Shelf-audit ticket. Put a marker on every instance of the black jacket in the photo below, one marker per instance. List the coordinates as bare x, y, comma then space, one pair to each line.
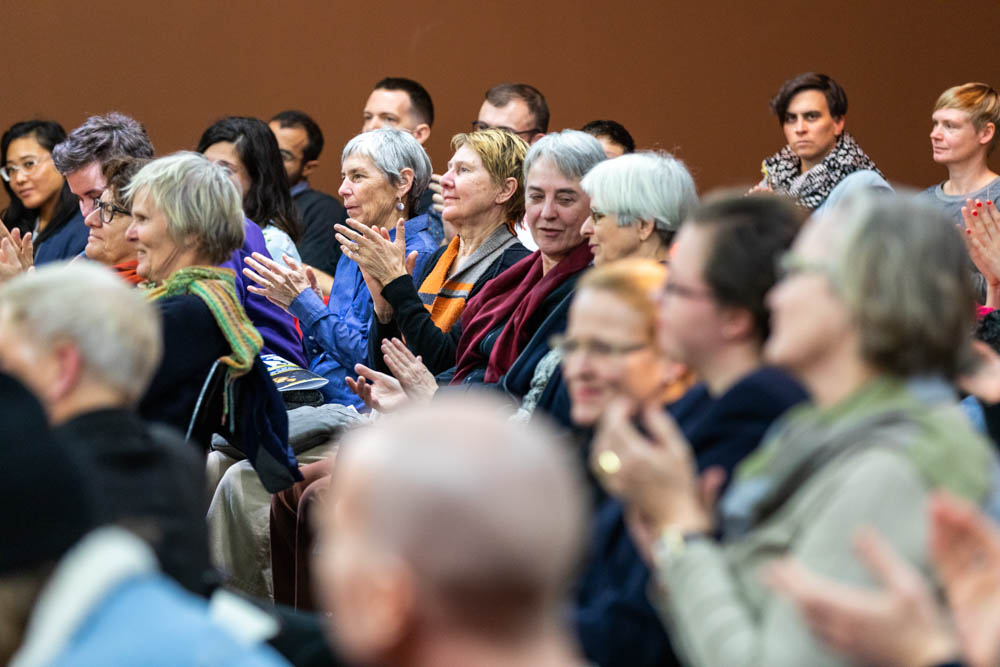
318, 213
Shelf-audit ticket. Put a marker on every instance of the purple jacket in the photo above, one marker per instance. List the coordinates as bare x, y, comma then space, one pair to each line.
276, 327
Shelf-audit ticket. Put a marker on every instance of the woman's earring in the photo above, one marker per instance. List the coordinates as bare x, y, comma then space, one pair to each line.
399, 204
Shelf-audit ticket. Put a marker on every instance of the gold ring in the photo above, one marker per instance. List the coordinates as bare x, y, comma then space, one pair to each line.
609, 463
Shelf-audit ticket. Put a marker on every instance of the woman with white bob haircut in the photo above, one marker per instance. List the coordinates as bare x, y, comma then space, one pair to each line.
637, 203
187, 216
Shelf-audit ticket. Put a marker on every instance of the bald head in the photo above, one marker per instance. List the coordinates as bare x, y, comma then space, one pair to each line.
479, 518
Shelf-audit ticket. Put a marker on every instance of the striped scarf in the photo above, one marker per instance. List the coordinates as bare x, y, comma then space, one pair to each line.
216, 287
443, 296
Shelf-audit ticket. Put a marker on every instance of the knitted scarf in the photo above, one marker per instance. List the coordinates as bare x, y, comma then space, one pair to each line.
783, 171
216, 287
511, 300
444, 296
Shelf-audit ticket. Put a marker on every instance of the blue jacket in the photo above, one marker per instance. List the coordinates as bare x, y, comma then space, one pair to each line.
65, 243
336, 334
614, 621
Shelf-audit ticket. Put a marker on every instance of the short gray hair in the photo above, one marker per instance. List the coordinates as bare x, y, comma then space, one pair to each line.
116, 330
574, 153
643, 186
903, 271
392, 151
101, 138
199, 200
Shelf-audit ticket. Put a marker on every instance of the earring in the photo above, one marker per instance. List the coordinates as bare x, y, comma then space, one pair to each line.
399, 204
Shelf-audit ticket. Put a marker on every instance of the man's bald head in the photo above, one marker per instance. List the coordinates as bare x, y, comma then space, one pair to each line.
476, 521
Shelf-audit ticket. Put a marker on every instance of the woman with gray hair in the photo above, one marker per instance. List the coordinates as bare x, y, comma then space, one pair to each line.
873, 315
187, 217
637, 203
385, 172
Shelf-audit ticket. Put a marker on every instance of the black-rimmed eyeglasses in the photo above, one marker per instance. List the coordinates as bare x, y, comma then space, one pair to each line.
479, 126
108, 210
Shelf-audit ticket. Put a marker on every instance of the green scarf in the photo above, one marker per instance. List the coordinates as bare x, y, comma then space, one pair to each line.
217, 288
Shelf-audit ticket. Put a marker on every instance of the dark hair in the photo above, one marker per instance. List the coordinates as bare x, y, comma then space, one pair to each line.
836, 98
749, 233
269, 200
314, 135
420, 99
102, 138
501, 95
118, 173
613, 130
48, 134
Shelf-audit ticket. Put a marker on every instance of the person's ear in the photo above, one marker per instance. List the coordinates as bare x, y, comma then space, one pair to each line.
646, 229
405, 182
421, 133
68, 367
838, 124
737, 323
309, 167
392, 608
507, 190
987, 133
536, 137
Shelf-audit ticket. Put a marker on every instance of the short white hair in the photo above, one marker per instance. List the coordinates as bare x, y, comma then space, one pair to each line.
199, 200
392, 151
117, 331
573, 152
643, 186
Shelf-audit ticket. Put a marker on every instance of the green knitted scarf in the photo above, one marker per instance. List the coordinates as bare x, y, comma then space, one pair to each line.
216, 287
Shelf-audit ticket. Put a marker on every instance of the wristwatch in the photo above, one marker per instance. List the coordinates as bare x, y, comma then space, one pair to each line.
672, 542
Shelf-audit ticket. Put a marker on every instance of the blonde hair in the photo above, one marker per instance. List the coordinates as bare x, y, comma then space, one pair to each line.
633, 281
502, 154
980, 101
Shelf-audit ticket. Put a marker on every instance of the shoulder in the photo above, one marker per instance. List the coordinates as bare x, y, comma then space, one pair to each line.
766, 390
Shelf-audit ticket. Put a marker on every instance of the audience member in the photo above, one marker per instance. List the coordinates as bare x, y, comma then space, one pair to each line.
441, 549
615, 139
821, 164
385, 172
74, 597
41, 203
88, 345
873, 316
246, 147
301, 141
111, 217
187, 219
637, 204
517, 108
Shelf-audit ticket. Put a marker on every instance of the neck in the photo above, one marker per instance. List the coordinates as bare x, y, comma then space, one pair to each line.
653, 248
834, 379
968, 176
47, 210
89, 397
548, 649
473, 233
728, 366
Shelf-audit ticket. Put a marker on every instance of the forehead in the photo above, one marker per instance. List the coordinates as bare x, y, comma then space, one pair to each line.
23, 146
359, 162
289, 138
466, 154
691, 248
395, 102
514, 114
223, 150
600, 314
953, 115
143, 204
808, 100
545, 175
87, 178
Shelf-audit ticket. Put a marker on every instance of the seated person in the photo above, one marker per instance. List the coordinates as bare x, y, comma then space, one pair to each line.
821, 163
385, 172
73, 595
88, 344
875, 337
41, 203
111, 217
186, 219
441, 549
484, 200
615, 139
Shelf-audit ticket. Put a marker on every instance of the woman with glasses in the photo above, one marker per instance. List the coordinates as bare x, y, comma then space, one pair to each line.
874, 316
40, 200
110, 219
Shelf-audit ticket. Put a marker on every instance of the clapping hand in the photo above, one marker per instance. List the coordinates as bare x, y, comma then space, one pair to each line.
982, 238
416, 380
280, 284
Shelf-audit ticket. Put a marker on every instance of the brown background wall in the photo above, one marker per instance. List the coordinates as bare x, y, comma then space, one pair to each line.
692, 77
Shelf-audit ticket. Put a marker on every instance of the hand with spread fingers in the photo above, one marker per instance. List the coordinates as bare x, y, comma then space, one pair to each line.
653, 474
418, 382
22, 247
982, 238
965, 550
280, 284
899, 624
379, 391
370, 247
435, 187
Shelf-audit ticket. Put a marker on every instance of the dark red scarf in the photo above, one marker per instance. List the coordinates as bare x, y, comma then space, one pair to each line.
511, 300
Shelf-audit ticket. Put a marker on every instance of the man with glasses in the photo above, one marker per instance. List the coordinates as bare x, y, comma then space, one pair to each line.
301, 141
